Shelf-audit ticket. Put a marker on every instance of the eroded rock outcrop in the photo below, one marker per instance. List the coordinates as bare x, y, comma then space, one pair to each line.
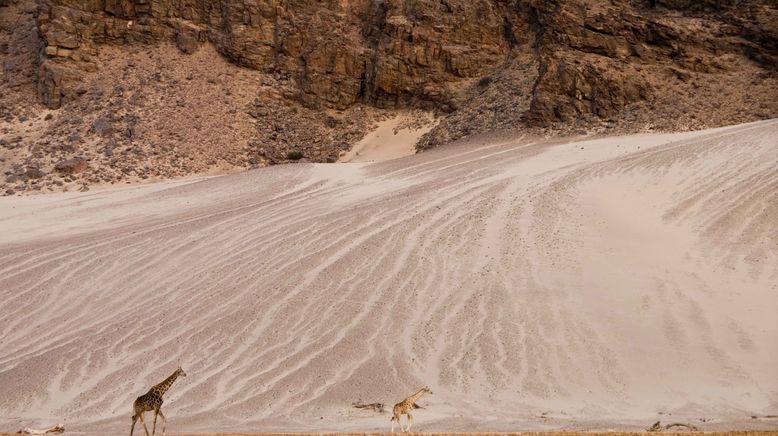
599, 57
593, 58
333, 53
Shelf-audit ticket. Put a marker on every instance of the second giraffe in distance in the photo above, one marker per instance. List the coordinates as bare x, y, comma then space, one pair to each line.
151, 401
404, 408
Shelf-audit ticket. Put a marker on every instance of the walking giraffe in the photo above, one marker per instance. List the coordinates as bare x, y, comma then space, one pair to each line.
404, 408
152, 401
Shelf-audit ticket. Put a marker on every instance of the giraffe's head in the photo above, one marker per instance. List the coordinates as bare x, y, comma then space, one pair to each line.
180, 371
427, 390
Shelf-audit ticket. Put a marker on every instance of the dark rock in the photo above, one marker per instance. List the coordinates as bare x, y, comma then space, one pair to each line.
58, 83
102, 127
71, 166
187, 42
33, 173
294, 155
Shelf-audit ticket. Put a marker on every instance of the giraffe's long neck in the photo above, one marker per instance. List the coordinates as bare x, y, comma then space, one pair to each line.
415, 397
161, 388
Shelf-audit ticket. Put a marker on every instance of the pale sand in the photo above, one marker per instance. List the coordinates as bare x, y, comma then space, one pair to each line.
391, 139
538, 433
603, 284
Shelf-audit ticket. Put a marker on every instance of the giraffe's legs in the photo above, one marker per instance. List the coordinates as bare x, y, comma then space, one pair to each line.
154, 427
397, 417
134, 420
410, 421
164, 421
143, 421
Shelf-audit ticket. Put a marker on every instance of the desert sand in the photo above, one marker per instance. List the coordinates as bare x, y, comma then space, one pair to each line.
532, 284
391, 139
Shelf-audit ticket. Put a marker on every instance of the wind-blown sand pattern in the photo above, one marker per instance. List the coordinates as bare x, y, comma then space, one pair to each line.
600, 284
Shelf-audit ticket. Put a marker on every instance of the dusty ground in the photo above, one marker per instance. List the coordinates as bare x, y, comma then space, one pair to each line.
545, 433
550, 433
602, 284
567, 433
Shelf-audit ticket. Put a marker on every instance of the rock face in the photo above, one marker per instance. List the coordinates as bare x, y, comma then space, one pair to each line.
599, 57
334, 53
592, 59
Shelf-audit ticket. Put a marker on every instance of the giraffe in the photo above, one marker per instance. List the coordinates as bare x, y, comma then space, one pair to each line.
152, 401
404, 408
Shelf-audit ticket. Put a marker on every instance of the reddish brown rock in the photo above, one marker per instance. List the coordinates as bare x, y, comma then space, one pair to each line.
71, 166
335, 53
423, 53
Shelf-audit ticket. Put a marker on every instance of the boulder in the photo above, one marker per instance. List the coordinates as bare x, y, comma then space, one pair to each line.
71, 166
102, 126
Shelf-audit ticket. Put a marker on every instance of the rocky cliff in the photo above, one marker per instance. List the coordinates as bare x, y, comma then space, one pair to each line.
394, 53
324, 53
302, 77
630, 65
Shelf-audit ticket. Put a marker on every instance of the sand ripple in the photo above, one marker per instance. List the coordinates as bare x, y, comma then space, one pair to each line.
611, 279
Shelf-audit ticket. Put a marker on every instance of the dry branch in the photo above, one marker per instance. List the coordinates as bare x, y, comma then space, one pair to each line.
375, 407
657, 427
59, 428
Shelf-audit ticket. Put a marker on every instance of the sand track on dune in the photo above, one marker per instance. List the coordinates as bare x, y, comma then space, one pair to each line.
602, 283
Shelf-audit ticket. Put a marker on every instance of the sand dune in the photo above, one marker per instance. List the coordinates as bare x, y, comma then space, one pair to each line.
600, 284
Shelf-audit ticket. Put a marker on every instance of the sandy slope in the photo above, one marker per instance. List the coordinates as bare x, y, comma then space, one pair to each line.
391, 139
598, 284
